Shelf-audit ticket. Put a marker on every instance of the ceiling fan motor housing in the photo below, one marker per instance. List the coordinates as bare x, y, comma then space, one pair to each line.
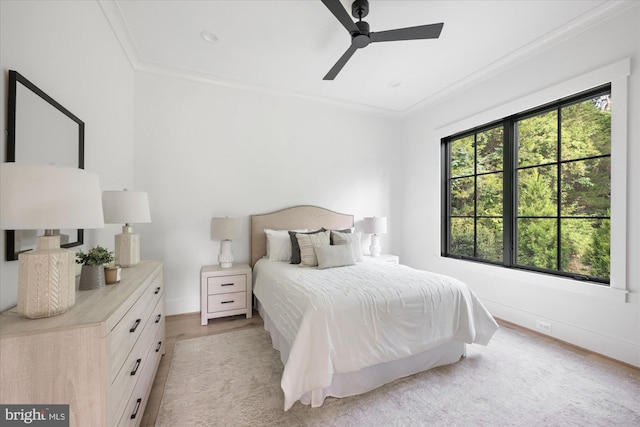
361, 39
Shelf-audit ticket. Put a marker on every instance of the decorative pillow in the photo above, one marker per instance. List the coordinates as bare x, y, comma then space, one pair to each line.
346, 230
278, 245
334, 256
295, 247
307, 241
353, 239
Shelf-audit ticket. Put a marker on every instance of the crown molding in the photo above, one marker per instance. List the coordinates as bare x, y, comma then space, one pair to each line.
114, 16
589, 19
579, 25
179, 73
112, 12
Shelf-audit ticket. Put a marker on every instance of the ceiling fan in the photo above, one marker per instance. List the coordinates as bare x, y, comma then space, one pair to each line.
361, 36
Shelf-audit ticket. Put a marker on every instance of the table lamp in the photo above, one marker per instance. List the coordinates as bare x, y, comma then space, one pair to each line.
49, 198
375, 226
225, 229
126, 207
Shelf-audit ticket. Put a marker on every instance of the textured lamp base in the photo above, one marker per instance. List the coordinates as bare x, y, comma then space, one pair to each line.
46, 279
226, 257
375, 248
127, 248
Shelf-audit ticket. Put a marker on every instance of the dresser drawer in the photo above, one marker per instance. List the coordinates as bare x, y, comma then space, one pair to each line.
130, 373
226, 284
126, 333
223, 302
137, 401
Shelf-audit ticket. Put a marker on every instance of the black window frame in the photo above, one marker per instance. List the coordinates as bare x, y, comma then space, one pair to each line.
509, 178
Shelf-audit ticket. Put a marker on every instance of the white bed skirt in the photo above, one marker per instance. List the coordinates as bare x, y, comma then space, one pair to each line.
366, 379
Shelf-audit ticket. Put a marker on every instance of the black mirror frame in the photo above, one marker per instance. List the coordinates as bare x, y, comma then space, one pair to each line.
14, 79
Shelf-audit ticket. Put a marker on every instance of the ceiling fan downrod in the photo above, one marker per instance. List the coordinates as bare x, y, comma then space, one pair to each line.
360, 9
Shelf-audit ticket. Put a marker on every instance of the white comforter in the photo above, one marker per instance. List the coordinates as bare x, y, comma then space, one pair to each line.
345, 319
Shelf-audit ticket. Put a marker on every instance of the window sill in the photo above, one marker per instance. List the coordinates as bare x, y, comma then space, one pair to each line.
564, 284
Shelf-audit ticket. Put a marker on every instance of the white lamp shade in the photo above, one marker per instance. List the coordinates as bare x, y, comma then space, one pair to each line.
48, 197
375, 225
226, 228
126, 207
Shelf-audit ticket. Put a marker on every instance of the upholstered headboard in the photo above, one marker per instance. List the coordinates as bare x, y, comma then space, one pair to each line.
311, 217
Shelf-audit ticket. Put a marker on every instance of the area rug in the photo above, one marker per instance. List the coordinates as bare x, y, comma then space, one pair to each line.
233, 379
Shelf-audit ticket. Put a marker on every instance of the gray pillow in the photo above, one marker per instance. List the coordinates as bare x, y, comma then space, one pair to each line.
295, 246
346, 230
307, 243
334, 256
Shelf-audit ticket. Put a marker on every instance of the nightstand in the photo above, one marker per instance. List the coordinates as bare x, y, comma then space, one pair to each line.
383, 259
225, 291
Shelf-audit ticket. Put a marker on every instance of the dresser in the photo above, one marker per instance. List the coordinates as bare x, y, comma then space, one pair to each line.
100, 357
225, 291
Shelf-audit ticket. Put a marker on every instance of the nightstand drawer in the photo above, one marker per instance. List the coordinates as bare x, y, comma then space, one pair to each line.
226, 284
224, 302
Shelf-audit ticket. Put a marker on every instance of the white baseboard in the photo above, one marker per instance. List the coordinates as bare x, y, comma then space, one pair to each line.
182, 306
593, 341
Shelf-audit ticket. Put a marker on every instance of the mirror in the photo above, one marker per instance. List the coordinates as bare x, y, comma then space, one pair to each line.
40, 131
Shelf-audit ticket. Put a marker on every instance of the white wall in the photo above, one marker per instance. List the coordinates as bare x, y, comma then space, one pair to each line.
68, 50
204, 150
583, 318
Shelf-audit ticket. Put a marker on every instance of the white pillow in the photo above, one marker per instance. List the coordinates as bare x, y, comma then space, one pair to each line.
278, 245
307, 241
334, 256
354, 239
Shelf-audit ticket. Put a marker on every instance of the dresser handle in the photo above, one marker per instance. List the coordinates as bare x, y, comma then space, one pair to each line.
135, 368
158, 318
157, 290
135, 326
227, 302
159, 346
135, 412
227, 284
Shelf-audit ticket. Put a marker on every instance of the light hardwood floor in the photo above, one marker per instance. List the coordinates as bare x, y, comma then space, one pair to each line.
186, 326
183, 327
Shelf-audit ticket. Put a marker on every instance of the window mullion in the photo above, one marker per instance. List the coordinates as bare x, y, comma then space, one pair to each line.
559, 192
475, 195
509, 200
445, 241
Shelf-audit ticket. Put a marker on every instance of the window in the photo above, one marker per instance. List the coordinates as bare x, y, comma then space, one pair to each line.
533, 191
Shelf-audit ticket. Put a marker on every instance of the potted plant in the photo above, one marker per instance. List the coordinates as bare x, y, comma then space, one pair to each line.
93, 263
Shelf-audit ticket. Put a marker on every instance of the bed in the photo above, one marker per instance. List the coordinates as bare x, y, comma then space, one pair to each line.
348, 330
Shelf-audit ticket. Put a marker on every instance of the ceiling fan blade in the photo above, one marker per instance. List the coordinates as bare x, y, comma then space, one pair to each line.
333, 72
431, 31
341, 14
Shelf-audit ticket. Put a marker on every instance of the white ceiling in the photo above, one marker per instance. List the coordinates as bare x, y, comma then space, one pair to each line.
288, 46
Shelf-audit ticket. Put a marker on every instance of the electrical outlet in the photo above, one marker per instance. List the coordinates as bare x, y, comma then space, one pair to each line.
543, 326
